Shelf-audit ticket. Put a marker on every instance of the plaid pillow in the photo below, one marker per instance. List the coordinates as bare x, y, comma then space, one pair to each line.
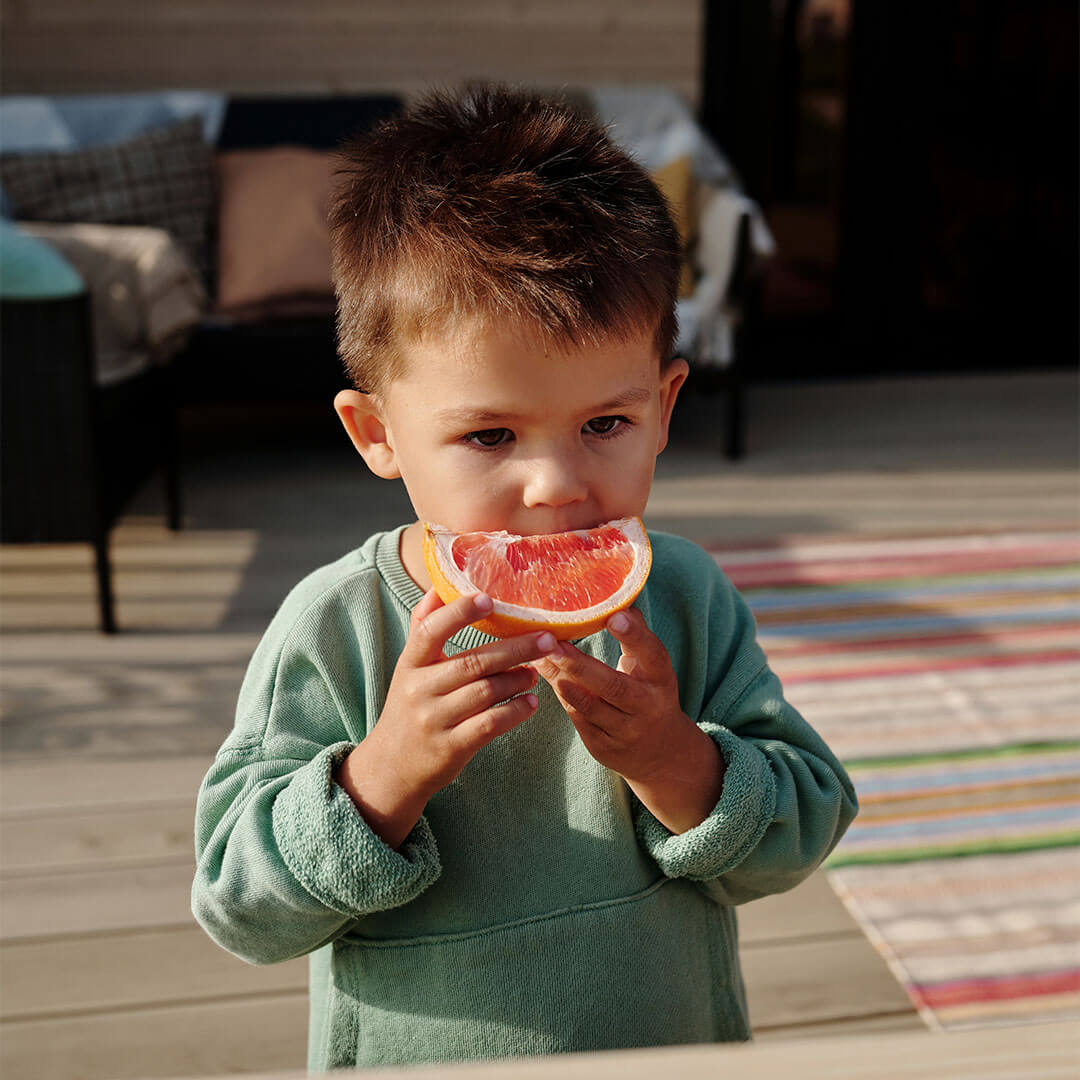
162, 178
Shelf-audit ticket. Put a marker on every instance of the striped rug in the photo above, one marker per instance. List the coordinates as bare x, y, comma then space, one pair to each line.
945, 672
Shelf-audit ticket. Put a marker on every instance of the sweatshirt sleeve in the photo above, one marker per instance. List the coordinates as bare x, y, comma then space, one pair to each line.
786, 799
284, 861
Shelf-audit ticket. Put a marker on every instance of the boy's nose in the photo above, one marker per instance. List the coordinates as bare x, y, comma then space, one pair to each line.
553, 481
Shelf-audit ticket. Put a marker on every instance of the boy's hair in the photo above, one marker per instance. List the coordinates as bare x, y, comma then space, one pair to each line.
500, 205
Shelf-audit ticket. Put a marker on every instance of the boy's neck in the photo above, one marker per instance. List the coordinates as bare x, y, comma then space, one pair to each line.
411, 551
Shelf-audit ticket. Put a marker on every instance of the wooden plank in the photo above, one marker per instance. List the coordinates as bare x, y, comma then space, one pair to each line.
812, 982
160, 696
132, 970
39, 688
137, 542
500, 52
405, 56
168, 610
141, 975
113, 839
847, 1026
194, 584
921, 502
811, 909
65, 683
147, 730
372, 13
70, 783
162, 580
134, 649
137, 974
790, 984
86, 902
261, 1034
1034, 1052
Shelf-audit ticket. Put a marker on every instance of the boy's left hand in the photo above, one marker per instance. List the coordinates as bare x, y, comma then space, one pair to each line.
631, 721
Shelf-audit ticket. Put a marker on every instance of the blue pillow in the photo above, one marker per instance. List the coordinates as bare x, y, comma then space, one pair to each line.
30, 269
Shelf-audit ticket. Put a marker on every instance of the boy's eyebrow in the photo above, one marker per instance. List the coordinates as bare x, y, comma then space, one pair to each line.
637, 395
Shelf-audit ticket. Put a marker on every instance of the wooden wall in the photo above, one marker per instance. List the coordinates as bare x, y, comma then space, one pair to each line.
330, 46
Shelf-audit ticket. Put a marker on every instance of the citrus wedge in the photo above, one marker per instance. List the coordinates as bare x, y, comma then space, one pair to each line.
570, 583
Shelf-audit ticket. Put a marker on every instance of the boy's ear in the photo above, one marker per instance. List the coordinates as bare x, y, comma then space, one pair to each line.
671, 380
362, 419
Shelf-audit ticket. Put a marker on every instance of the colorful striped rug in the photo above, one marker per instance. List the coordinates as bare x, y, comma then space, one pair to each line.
945, 672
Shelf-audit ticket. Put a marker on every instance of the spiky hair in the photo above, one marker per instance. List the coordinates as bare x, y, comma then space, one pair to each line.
498, 205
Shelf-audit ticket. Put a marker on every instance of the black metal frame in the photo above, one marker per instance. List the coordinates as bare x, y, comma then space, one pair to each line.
744, 296
72, 453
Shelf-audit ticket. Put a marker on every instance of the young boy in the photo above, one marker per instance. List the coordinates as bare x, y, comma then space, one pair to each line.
479, 862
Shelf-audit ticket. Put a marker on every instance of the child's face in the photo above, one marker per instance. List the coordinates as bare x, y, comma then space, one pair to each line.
491, 431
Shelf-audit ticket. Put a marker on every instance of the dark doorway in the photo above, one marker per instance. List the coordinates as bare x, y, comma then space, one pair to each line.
917, 163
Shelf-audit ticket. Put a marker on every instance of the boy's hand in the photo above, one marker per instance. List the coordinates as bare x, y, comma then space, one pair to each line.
438, 713
630, 720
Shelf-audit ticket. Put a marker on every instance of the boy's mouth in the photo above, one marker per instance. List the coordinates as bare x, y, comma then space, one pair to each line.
559, 527
553, 529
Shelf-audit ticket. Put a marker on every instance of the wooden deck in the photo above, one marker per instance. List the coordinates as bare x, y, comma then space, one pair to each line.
103, 972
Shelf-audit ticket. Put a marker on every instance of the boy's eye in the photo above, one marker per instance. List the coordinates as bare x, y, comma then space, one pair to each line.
599, 426
488, 437
604, 425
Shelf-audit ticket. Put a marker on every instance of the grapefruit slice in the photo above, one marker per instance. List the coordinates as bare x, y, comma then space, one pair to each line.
570, 583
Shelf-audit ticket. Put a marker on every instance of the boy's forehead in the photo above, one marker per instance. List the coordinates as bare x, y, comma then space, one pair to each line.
475, 347
482, 379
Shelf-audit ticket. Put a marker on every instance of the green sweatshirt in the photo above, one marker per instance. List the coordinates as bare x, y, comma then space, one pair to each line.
537, 906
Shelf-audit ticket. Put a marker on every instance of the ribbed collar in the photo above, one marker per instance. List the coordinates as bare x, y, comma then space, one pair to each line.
388, 561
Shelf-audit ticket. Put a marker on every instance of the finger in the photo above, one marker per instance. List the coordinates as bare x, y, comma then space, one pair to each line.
576, 700
473, 698
643, 653
431, 602
593, 717
478, 731
569, 666
479, 663
429, 634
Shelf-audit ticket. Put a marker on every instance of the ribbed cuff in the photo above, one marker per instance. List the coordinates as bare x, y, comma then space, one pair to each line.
335, 855
736, 824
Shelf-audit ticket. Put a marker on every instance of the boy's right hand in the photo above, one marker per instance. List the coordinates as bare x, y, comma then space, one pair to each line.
438, 713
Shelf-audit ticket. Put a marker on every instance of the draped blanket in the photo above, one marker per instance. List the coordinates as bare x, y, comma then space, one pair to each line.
145, 291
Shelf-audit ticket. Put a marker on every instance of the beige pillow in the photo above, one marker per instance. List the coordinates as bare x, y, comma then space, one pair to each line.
273, 239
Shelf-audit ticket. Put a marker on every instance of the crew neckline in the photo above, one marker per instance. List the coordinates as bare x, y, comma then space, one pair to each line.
392, 569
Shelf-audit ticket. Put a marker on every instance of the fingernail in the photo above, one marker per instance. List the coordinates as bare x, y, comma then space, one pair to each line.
483, 602
533, 700
546, 642
619, 623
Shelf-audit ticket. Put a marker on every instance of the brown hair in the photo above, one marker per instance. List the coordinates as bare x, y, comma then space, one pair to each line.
503, 205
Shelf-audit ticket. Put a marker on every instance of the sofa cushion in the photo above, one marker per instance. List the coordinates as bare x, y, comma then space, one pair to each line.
32, 269
273, 237
163, 179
